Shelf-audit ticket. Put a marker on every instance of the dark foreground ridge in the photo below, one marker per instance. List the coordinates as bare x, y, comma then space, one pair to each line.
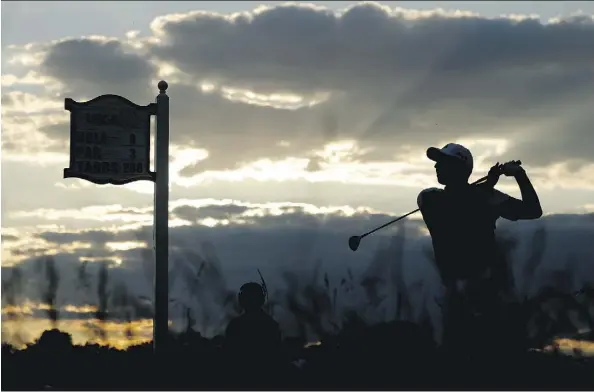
397, 355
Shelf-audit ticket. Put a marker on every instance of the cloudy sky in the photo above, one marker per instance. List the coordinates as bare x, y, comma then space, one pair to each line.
292, 128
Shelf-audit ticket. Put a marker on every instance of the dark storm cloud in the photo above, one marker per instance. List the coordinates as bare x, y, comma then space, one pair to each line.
105, 66
96, 60
328, 49
9, 238
96, 237
294, 242
235, 133
295, 218
66, 314
58, 131
129, 211
59, 134
568, 138
29, 251
191, 170
193, 214
396, 70
391, 78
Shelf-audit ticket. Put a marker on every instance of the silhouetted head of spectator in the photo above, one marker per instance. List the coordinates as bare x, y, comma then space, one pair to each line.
55, 340
251, 297
453, 163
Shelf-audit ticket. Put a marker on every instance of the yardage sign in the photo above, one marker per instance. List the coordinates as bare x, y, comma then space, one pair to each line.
110, 144
109, 140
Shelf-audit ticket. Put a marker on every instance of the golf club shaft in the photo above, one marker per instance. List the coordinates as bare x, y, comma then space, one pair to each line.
389, 223
412, 212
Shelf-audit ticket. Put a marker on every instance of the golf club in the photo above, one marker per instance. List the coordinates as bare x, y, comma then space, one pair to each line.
355, 240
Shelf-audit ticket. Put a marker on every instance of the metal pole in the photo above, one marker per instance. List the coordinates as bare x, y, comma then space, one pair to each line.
161, 213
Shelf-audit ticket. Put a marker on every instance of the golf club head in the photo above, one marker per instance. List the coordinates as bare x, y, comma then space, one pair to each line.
354, 242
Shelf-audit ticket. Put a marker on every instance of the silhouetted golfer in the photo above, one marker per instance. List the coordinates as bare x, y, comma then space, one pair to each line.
461, 220
253, 337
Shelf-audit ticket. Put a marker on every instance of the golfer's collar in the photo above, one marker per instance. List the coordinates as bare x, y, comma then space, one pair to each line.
456, 188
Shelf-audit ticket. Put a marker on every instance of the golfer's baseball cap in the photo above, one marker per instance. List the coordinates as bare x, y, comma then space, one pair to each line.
449, 151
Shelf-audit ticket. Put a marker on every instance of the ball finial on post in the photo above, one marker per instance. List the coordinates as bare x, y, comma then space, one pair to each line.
162, 86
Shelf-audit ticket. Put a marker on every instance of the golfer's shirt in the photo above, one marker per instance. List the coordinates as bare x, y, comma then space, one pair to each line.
462, 227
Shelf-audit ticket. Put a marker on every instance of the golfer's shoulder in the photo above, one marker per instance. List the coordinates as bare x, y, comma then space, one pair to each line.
431, 191
491, 195
428, 195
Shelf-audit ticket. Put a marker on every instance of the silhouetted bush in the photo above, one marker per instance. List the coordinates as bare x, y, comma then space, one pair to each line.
391, 355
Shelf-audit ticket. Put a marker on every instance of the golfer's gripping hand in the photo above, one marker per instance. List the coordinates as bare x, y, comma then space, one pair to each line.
509, 169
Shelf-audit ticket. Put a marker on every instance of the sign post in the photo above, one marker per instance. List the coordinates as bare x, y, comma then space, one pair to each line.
110, 144
161, 225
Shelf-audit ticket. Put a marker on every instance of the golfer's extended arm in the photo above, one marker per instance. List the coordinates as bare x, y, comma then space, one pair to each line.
531, 204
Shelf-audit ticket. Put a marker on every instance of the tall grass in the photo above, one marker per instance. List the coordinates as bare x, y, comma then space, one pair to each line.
124, 308
12, 289
50, 293
101, 313
206, 297
320, 308
319, 305
551, 309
